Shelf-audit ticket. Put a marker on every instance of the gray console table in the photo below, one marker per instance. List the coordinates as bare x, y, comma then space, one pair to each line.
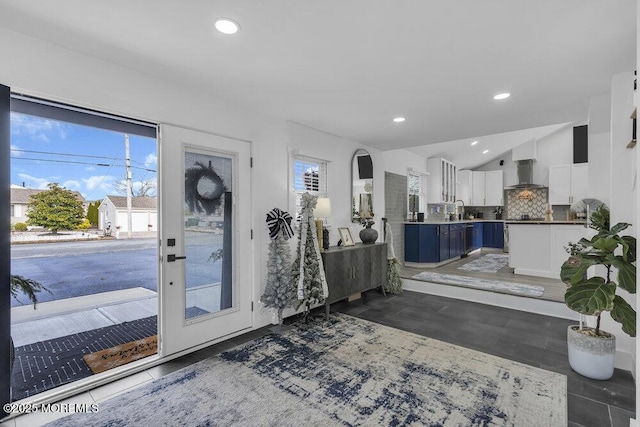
353, 269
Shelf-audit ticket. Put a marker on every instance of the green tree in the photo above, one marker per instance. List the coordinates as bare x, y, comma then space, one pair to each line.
56, 209
92, 213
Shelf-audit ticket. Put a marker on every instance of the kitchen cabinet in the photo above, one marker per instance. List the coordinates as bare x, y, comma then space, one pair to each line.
568, 183
547, 242
465, 183
493, 235
456, 240
476, 241
487, 188
353, 269
426, 243
442, 181
444, 249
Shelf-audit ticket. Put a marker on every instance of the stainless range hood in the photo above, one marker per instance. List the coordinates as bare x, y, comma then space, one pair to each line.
525, 175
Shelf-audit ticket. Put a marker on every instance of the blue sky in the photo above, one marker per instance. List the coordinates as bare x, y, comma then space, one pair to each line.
79, 158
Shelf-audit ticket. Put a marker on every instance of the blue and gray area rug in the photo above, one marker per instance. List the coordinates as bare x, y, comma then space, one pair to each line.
344, 371
489, 263
483, 284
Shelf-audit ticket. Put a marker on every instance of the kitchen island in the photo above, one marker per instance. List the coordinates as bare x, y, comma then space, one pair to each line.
537, 248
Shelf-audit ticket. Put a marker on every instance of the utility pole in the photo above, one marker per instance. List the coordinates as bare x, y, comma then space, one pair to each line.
128, 164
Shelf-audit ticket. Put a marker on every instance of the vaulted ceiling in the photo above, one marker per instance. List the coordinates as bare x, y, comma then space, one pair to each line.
349, 67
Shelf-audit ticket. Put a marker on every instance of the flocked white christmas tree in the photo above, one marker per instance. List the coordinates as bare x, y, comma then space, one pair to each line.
308, 270
280, 291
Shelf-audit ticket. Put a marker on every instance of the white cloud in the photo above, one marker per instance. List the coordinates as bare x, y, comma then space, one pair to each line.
71, 184
37, 128
150, 160
101, 182
90, 169
34, 182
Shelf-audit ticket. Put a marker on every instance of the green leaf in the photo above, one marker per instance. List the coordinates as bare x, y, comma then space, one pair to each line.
626, 274
624, 314
591, 297
607, 244
574, 269
629, 247
619, 227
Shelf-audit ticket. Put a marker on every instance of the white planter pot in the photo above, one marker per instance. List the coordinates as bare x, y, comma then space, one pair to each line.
592, 357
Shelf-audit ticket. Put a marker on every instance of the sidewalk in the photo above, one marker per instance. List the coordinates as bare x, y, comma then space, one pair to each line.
73, 315
18, 237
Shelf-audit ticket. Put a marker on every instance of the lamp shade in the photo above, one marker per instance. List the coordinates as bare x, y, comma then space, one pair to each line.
323, 208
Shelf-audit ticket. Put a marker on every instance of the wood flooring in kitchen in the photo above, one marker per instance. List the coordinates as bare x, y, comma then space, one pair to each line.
554, 289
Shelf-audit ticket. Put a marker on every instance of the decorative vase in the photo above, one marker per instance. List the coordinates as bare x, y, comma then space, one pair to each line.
368, 235
592, 357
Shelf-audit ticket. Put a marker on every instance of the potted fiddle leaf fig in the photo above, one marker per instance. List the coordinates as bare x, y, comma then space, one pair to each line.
592, 350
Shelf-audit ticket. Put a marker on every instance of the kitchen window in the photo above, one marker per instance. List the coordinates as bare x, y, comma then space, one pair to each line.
417, 193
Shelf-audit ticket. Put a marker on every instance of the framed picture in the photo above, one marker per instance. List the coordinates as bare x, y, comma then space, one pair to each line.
345, 236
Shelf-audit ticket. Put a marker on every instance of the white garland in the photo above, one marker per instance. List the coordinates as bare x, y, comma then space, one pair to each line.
307, 223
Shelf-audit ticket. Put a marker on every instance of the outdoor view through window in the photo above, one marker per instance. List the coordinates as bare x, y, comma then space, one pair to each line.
92, 247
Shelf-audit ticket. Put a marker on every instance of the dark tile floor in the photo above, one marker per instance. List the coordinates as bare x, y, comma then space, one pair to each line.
529, 338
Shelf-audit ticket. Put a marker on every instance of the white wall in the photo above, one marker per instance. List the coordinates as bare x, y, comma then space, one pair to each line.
622, 176
51, 71
599, 135
554, 149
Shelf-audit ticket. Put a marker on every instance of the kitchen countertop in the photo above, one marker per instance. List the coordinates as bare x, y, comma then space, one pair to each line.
543, 222
506, 221
462, 221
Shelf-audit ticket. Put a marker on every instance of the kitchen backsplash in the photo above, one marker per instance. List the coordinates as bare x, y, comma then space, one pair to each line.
531, 201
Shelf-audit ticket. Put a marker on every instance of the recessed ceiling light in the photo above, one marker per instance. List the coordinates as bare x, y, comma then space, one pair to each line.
474, 142
485, 151
399, 119
227, 26
503, 95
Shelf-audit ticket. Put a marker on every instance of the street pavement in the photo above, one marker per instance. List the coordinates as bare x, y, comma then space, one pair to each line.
72, 269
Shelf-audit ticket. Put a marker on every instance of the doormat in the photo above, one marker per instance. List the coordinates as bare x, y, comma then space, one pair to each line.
489, 263
484, 284
44, 365
121, 355
342, 372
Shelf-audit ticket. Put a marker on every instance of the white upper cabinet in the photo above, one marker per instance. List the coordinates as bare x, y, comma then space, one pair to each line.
488, 188
442, 181
494, 188
478, 191
465, 186
568, 183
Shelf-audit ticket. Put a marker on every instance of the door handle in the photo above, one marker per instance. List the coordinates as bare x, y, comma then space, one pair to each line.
173, 258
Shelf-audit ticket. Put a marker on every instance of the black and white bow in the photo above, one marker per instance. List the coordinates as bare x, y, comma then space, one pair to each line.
277, 220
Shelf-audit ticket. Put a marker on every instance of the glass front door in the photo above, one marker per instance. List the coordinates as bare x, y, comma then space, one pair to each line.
205, 242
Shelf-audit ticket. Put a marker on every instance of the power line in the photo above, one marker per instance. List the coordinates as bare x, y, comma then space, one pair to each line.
78, 163
64, 154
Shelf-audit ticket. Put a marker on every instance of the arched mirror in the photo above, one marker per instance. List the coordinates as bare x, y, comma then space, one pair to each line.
362, 186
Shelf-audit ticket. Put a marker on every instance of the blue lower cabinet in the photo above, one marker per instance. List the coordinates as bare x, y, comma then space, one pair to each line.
476, 242
493, 235
445, 244
456, 240
426, 242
